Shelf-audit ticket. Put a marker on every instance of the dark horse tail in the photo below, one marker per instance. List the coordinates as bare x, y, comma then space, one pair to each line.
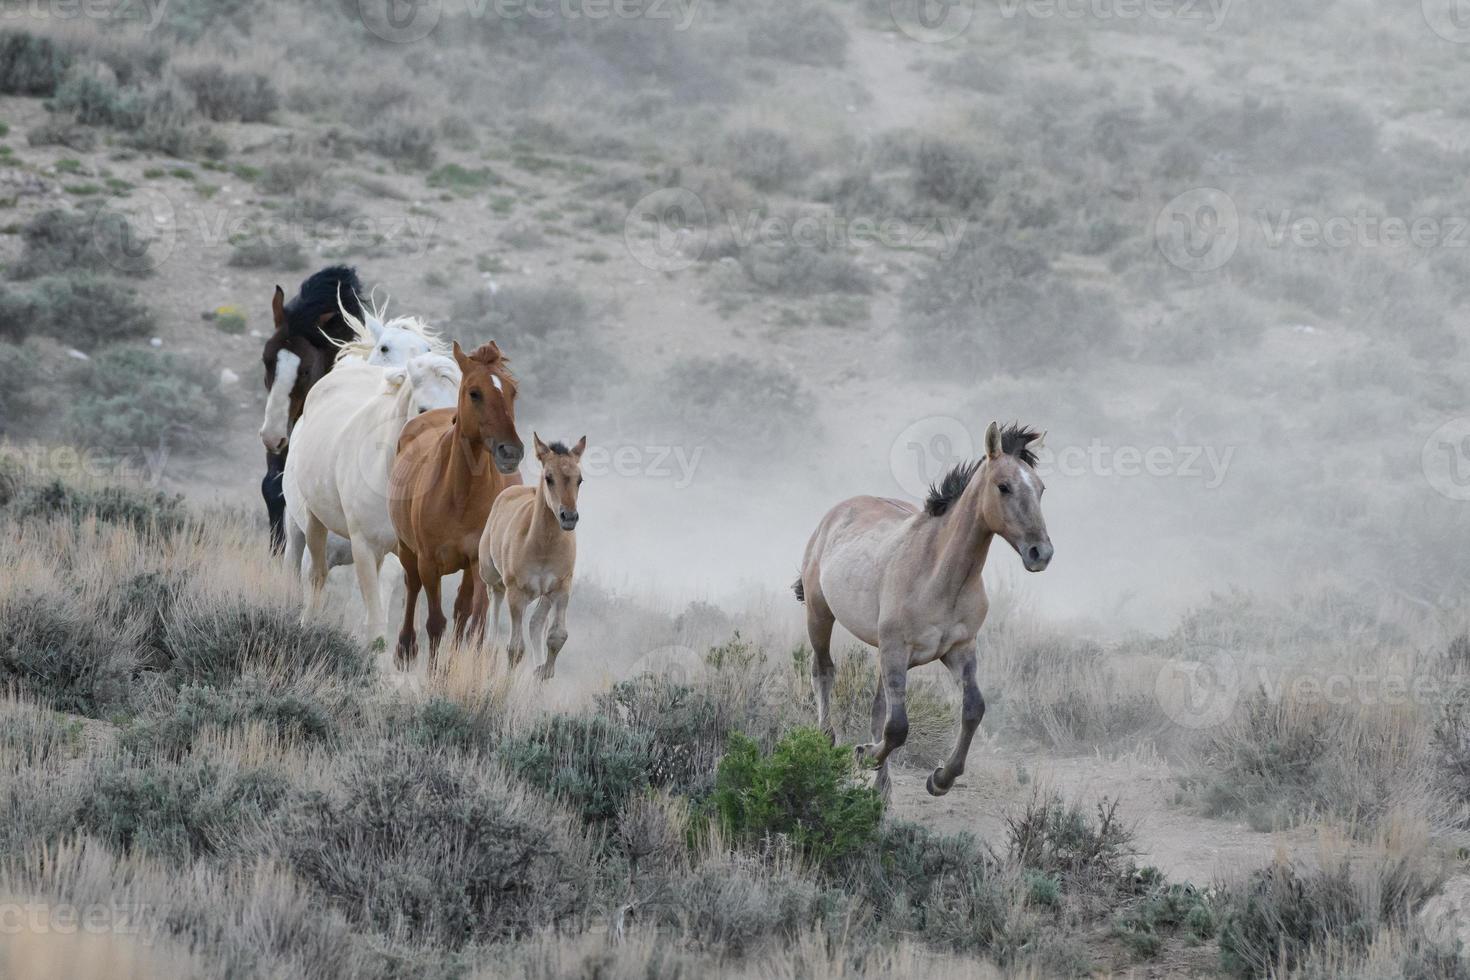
799, 589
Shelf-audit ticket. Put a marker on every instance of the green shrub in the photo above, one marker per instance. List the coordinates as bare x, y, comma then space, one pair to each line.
258, 253
951, 175
1084, 851
803, 33
736, 905
142, 510
404, 140
213, 643
593, 764
432, 850
687, 729
53, 647
137, 398
95, 100
806, 790
1164, 911
78, 242
946, 888
179, 811
30, 64
442, 724
763, 157
198, 709
80, 310
230, 95
35, 737
1282, 913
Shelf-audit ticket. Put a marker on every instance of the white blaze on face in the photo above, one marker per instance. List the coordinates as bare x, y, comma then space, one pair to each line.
277, 425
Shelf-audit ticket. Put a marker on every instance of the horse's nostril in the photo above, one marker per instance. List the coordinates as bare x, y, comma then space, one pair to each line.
1035, 553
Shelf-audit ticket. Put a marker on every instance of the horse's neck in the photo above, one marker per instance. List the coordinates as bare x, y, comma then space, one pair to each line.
468, 465
545, 528
964, 541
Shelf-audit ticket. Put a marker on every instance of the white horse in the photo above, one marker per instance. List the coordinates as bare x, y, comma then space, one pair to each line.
379, 342
336, 477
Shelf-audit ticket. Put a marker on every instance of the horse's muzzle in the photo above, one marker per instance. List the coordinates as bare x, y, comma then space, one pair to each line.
508, 457
568, 519
1037, 556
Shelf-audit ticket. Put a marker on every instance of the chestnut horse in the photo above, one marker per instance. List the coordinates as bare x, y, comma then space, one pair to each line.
450, 467
529, 552
908, 582
298, 355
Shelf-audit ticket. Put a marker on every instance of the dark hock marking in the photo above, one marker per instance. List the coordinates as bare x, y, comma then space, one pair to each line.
896, 730
1014, 439
973, 710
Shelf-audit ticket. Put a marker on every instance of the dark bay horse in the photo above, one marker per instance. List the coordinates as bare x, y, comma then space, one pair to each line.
907, 581
297, 356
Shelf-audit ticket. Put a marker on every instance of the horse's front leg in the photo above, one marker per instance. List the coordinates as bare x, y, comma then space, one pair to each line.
556, 635
893, 671
962, 665
464, 605
432, 589
517, 598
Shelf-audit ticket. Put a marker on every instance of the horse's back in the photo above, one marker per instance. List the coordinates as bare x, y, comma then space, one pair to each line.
847, 556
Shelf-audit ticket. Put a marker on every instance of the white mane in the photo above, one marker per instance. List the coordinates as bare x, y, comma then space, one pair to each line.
369, 330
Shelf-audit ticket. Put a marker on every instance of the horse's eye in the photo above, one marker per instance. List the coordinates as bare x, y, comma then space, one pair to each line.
384, 348
579, 481
549, 481
475, 396
1003, 487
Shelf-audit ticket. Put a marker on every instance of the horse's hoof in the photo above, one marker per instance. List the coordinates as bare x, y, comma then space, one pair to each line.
934, 787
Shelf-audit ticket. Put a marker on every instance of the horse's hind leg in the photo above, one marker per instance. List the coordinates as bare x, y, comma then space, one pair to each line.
961, 664
819, 623
316, 546
893, 669
408, 635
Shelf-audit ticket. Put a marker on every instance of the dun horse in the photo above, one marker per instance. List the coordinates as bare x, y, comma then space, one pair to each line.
451, 465
908, 583
297, 356
529, 552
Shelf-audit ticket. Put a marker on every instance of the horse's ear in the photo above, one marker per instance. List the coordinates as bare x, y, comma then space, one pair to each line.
580, 447
992, 441
541, 448
375, 327
1036, 442
459, 357
278, 307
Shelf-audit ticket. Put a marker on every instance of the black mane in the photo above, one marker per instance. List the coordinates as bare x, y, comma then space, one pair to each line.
1014, 439
318, 295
